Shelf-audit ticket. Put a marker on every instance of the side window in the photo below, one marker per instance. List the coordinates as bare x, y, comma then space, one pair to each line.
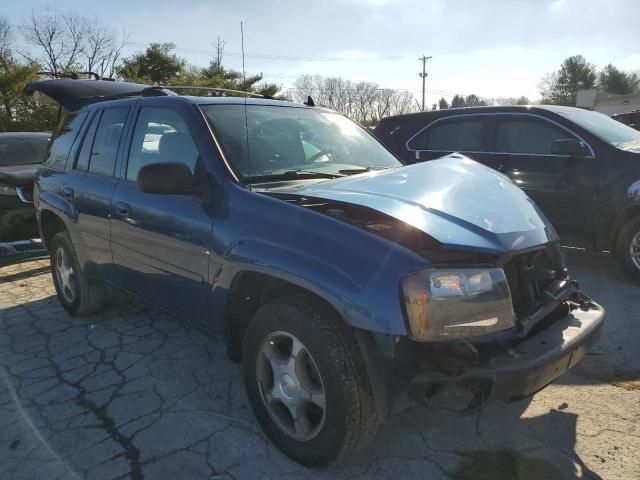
82, 163
61, 145
105, 144
527, 135
456, 135
160, 136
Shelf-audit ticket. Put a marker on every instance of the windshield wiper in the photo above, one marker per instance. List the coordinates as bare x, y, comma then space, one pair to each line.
354, 171
294, 174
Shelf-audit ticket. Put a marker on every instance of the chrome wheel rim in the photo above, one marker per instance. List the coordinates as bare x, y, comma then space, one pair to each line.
290, 386
634, 250
65, 275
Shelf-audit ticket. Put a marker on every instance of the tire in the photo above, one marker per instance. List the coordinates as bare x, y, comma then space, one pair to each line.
348, 421
628, 245
78, 295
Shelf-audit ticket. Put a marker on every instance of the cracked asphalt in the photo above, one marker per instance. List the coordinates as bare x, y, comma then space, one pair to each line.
135, 393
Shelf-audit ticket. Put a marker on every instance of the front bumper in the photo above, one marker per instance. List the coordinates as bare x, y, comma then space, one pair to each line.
515, 372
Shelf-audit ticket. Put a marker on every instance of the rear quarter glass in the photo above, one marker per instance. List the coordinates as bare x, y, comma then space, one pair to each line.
64, 138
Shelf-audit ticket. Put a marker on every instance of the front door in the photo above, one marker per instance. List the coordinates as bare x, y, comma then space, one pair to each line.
562, 186
466, 134
161, 243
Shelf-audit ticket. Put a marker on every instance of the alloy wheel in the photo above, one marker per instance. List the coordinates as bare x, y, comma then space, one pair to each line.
65, 274
290, 386
634, 250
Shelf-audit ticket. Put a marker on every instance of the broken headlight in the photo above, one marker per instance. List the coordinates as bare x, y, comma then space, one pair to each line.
457, 304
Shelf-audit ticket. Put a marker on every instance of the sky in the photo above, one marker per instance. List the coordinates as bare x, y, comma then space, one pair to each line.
495, 48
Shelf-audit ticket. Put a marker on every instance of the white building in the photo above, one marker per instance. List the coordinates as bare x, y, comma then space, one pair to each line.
608, 103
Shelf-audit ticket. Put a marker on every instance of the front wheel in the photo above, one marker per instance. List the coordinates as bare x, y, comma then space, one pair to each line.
307, 382
628, 248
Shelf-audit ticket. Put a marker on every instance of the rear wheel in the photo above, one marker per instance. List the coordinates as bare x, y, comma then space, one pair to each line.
78, 294
306, 381
628, 248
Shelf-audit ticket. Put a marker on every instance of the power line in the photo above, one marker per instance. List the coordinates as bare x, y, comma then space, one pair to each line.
286, 57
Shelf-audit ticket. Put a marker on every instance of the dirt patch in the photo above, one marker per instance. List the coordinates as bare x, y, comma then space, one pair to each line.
505, 465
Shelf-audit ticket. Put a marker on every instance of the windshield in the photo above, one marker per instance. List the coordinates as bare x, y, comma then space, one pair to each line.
604, 127
275, 142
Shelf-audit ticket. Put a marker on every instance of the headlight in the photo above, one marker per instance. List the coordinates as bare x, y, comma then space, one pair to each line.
456, 304
7, 190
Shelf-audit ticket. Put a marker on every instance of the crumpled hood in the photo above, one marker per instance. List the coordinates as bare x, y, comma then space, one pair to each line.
459, 202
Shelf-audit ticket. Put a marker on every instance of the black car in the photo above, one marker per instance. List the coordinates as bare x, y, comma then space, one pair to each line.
630, 118
21, 153
582, 168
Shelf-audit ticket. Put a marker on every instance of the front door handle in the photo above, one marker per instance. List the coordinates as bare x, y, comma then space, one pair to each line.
68, 193
122, 209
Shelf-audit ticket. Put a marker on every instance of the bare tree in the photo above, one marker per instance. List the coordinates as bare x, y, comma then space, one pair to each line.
7, 37
64, 42
365, 102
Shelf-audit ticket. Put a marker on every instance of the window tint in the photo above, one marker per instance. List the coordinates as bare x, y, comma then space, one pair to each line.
85, 152
455, 135
105, 145
527, 135
161, 136
61, 146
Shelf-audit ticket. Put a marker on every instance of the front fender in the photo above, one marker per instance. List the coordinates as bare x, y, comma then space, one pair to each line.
370, 304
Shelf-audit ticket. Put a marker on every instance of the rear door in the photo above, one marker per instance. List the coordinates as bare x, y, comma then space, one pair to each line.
161, 243
89, 185
466, 134
562, 186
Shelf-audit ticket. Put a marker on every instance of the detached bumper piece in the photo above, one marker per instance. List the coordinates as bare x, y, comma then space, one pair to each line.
465, 376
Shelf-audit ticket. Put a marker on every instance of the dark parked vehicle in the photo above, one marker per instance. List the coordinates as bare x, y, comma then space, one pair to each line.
582, 168
630, 118
21, 153
349, 285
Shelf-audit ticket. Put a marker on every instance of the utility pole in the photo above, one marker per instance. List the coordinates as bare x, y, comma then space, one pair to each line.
423, 75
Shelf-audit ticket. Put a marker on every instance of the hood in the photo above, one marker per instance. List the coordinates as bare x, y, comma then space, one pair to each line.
460, 203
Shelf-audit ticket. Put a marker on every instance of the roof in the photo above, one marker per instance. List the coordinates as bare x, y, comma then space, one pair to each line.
75, 94
487, 109
24, 135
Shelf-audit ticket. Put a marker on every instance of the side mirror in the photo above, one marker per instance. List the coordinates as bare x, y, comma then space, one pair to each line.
570, 147
167, 178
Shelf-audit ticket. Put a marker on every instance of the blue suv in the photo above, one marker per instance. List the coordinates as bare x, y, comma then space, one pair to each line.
349, 285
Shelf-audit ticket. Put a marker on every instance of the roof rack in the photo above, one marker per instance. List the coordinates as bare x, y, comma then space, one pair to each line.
216, 89
76, 75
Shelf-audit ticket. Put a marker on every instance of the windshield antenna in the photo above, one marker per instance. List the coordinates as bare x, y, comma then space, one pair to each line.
246, 121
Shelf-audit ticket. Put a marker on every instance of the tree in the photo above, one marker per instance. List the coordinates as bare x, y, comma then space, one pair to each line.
612, 80
66, 43
365, 102
561, 87
155, 65
443, 104
458, 101
473, 100
18, 111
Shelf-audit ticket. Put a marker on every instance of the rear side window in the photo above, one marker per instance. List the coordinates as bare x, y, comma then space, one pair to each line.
527, 135
85, 152
104, 150
457, 135
161, 135
61, 145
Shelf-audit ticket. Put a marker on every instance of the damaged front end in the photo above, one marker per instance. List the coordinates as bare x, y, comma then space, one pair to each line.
554, 325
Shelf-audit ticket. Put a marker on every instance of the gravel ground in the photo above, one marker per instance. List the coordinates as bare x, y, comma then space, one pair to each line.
135, 393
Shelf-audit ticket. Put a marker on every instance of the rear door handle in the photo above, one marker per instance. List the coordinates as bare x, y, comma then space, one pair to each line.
122, 209
68, 193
